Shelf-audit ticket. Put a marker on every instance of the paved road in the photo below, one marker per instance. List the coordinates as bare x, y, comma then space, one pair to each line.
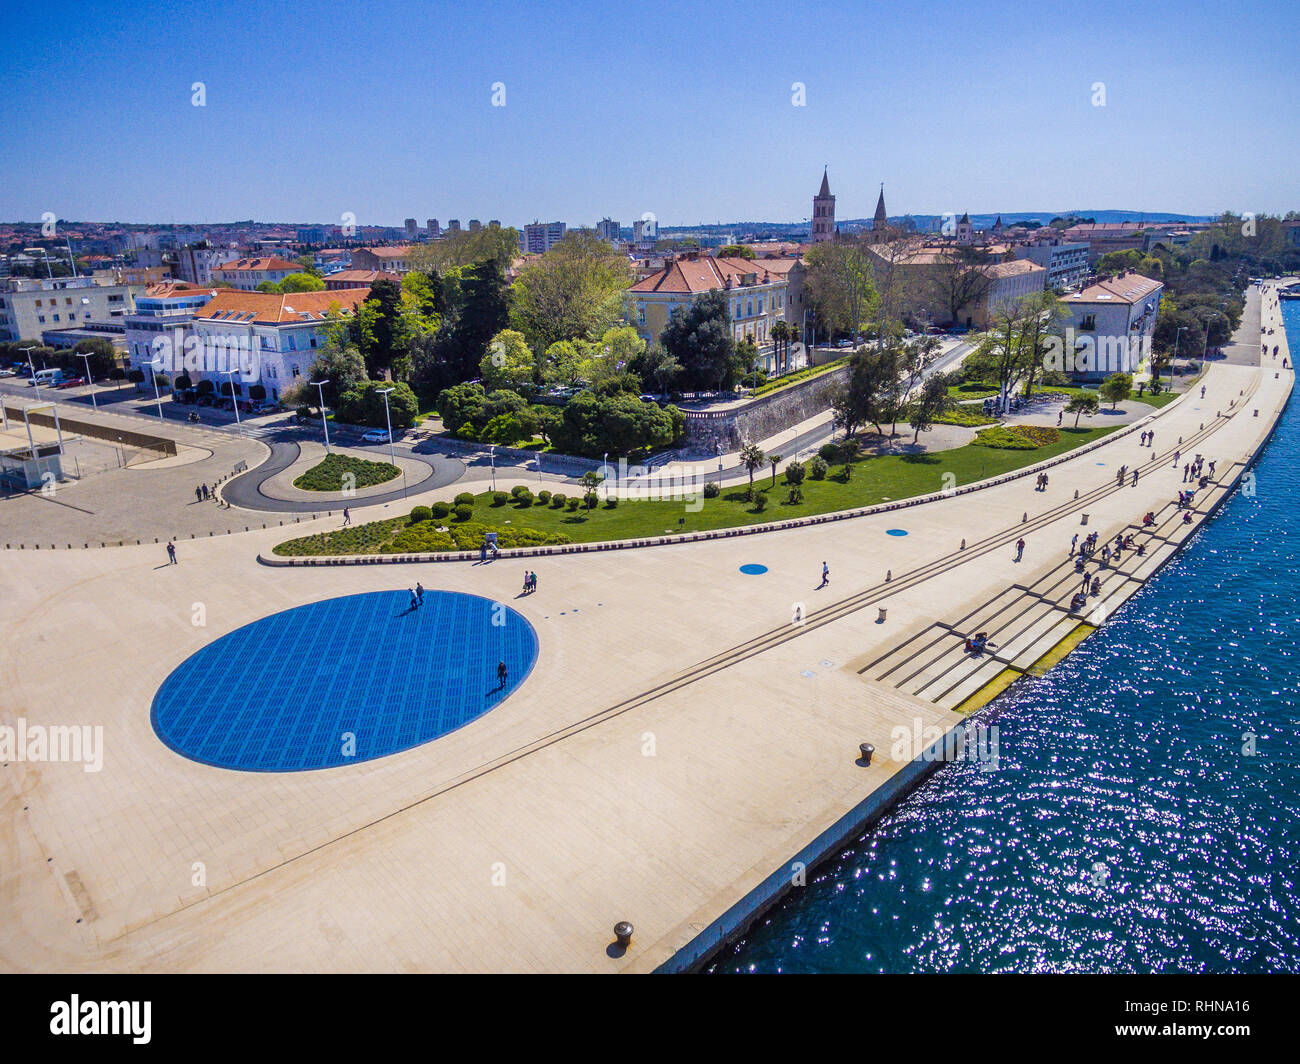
245, 490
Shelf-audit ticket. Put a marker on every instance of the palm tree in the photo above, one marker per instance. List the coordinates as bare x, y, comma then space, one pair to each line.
779, 334
752, 458
775, 459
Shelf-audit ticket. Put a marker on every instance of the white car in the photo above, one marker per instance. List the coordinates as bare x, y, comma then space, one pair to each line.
375, 436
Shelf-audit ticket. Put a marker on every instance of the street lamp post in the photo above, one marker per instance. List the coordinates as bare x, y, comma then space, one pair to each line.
153, 379
320, 388
234, 402
90, 381
389, 422
492, 457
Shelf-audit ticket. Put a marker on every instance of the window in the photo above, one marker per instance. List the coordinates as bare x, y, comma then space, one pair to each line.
1089, 322
41, 318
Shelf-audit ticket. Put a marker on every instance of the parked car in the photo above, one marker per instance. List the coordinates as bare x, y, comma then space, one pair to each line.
265, 408
71, 382
375, 436
8, 373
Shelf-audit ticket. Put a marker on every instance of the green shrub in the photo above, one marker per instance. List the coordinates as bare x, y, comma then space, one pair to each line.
846, 474
328, 473
574, 503
463, 512
760, 502
795, 497
518, 490
465, 498
611, 502
712, 489
440, 509
421, 513
558, 500
818, 468
828, 452
543, 497
523, 498
795, 472
500, 498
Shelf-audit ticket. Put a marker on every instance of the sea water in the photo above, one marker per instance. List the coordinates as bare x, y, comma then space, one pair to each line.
1144, 815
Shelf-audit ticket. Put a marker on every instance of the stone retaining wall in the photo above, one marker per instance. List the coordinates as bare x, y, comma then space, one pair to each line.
764, 417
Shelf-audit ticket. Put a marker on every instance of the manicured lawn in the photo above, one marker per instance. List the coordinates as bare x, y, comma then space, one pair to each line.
328, 473
964, 392
874, 480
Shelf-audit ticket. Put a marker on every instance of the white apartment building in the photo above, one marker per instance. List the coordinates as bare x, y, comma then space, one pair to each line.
1066, 263
30, 306
246, 274
1110, 326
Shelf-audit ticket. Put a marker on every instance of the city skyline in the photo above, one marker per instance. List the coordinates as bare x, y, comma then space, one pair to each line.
506, 113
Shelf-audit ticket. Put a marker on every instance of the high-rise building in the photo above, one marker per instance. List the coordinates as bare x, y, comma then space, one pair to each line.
495, 223
540, 237
453, 226
411, 228
475, 225
823, 219
608, 229
434, 231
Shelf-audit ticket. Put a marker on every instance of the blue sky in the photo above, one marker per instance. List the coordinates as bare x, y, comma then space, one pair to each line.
680, 109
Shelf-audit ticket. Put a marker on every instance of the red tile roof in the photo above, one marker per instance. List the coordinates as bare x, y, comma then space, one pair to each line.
692, 276
269, 308
358, 278
1129, 288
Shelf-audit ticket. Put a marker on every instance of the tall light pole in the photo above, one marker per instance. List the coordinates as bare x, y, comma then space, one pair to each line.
31, 367
234, 401
49, 271
153, 379
90, 380
388, 420
320, 388
492, 457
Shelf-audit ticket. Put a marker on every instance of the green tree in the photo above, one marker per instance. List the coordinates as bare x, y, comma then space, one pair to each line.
698, 336
1082, 403
574, 291
508, 363
301, 282
364, 405
752, 458
1116, 388
932, 402
840, 285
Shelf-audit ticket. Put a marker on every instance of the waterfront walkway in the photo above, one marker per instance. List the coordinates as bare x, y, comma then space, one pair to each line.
687, 731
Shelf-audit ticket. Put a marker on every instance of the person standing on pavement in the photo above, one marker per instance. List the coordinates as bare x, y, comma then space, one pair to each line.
347, 517
826, 574
171, 553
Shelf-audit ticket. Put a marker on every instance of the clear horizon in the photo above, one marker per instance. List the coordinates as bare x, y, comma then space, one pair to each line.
311, 112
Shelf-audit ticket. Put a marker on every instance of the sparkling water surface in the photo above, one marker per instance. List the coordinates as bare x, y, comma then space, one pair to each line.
1127, 827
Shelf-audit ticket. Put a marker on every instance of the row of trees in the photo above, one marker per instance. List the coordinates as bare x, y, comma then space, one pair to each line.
885, 384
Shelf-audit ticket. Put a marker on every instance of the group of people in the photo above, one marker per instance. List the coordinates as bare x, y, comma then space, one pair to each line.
1193, 470
417, 596
1148, 438
203, 493
977, 643
530, 582
1042, 482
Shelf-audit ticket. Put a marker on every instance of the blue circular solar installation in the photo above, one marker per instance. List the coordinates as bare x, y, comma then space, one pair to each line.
895, 531
753, 569
284, 693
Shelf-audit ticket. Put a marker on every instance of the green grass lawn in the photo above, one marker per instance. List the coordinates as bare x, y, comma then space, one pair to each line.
964, 392
874, 479
328, 473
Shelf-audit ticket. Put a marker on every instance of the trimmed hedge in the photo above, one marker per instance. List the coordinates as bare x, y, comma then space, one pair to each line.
328, 473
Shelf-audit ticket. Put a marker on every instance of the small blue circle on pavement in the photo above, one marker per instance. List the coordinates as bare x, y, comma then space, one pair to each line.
895, 531
343, 680
753, 570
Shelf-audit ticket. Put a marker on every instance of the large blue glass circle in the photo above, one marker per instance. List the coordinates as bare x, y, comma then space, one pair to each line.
342, 681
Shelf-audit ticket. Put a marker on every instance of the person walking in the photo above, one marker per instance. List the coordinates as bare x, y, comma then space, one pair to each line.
1202, 391
347, 517
1060, 414
419, 593
1020, 549
1187, 468
528, 581
1073, 543
503, 674
1135, 479
415, 602
171, 553
482, 552
532, 581
198, 494
1151, 438
1177, 456
826, 575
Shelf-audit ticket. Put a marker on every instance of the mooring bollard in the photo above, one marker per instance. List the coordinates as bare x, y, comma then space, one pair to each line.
889, 575
623, 933
1257, 411
866, 750
963, 544
1024, 517
1076, 493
